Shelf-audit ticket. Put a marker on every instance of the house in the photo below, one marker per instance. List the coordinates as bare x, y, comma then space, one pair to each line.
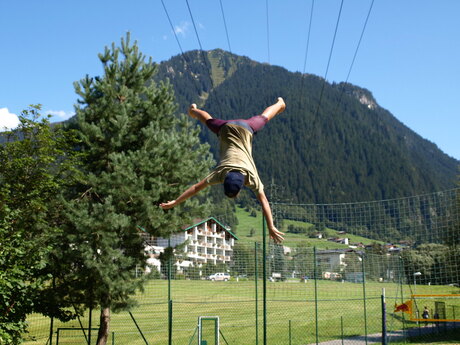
316, 235
343, 240
287, 250
206, 241
339, 240
331, 260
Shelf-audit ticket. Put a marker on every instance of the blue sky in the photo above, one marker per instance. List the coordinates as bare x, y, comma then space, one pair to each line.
409, 56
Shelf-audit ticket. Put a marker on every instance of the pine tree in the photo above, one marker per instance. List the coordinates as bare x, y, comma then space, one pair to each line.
137, 154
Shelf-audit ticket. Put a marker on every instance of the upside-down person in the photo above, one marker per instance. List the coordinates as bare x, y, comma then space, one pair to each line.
236, 167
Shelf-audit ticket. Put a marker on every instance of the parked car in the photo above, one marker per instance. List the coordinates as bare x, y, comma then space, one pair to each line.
277, 277
219, 276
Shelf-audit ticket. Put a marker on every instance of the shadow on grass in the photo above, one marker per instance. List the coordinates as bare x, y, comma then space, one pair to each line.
446, 336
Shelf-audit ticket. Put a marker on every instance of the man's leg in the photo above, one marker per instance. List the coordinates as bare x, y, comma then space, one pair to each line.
206, 119
199, 114
274, 109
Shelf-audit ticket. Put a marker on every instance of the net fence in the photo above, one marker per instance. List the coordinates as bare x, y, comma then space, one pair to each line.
324, 283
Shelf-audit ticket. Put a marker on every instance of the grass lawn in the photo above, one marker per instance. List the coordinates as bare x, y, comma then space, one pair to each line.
289, 302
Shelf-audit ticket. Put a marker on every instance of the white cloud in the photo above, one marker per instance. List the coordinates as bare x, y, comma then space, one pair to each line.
182, 28
165, 37
7, 120
60, 114
201, 26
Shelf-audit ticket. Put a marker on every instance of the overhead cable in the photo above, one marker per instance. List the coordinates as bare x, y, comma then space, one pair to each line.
356, 53
329, 60
205, 60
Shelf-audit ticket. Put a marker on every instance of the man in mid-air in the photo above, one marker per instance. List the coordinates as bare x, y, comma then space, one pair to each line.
236, 167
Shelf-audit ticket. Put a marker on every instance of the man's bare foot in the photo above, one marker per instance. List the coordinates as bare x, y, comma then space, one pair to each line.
281, 104
274, 109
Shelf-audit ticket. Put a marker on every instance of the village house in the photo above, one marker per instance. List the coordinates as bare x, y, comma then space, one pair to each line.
331, 260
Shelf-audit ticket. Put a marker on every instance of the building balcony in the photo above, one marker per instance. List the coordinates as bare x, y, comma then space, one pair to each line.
197, 256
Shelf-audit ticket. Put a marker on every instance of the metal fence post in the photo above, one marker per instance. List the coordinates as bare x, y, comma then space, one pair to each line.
316, 293
341, 327
264, 269
138, 328
169, 295
364, 298
384, 319
170, 319
256, 278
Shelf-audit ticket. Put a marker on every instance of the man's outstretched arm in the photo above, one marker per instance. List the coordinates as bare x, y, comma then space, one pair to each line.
275, 234
185, 195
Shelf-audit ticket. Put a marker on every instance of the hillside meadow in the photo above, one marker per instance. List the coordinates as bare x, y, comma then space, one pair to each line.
246, 222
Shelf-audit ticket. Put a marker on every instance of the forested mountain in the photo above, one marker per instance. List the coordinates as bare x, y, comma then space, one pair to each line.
347, 149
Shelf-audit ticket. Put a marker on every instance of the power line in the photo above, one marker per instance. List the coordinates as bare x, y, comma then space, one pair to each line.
202, 53
234, 59
306, 51
225, 25
186, 63
356, 52
172, 27
268, 31
329, 60
308, 37
194, 26
360, 39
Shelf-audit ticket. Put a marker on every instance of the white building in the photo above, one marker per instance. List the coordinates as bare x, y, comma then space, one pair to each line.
332, 260
208, 241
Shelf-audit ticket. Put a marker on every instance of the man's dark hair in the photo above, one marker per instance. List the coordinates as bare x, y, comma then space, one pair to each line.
233, 183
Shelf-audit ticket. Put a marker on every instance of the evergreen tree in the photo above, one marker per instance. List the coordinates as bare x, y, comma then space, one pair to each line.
137, 154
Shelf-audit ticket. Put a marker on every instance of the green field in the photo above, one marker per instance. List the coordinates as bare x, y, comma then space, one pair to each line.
234, 302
